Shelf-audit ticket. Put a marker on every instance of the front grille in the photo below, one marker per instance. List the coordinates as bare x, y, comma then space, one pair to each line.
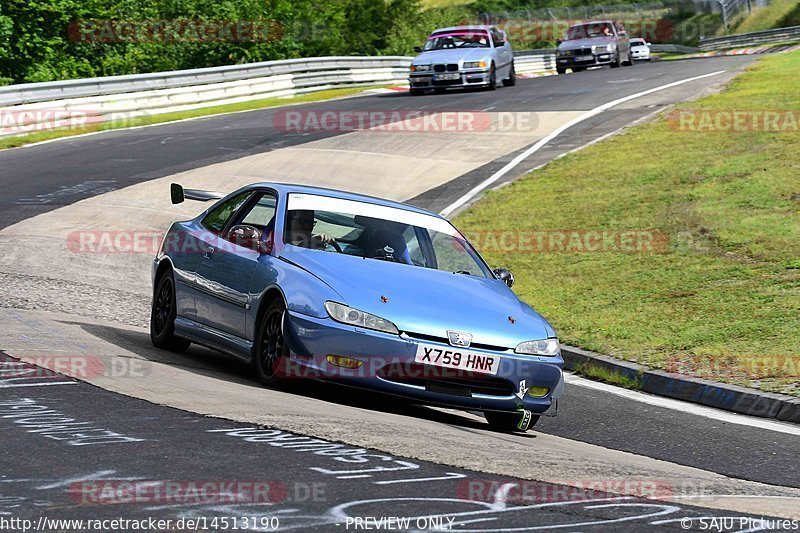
446, 380
450, 67
475, 345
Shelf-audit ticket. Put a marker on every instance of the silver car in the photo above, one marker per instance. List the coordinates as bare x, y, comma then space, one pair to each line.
600, 42
463, 56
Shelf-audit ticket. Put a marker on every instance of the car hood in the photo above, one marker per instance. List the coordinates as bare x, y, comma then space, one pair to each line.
586, 43
452, 56
427, 301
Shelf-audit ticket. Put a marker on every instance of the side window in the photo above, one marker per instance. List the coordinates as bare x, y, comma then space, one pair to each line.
262, 214
216, 220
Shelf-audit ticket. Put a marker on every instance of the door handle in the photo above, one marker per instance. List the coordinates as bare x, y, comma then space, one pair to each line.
209, 252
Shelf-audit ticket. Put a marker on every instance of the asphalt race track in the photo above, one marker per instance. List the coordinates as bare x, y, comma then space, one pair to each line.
318, 456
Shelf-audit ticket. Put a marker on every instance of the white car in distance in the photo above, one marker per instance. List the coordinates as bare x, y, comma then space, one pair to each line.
640, 49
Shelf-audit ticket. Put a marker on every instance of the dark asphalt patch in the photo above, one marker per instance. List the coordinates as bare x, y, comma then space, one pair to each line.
170, 465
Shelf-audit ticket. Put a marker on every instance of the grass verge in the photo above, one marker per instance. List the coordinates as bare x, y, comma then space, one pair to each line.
721, 298
776, 14
601, 373
13, 142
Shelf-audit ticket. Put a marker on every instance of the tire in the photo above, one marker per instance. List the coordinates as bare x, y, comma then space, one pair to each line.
416, 92
162, 316
506, 422
492, 79
512, 77
578, 69
270, 352
561, 70
616, 62
629, 62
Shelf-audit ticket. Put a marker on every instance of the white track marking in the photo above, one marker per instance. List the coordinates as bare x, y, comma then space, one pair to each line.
472, 193
450, 475
685, 407
17, 385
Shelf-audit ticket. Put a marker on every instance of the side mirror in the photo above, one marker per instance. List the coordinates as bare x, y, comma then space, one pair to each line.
649, 44
558, 42
249, 237
418, 49
176, 193
505, 276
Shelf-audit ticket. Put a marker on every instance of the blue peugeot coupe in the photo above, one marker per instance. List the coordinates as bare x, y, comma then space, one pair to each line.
304, 282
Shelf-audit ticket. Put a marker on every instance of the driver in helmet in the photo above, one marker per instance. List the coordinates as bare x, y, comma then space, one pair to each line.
301, 224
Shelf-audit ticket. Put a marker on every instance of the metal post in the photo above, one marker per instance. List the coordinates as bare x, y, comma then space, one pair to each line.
724, 14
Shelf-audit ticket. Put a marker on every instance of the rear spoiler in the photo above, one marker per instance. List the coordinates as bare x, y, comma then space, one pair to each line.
178, 194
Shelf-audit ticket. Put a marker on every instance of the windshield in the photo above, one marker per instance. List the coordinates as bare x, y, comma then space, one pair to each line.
637, 42
458, 39
380, 233
593, 29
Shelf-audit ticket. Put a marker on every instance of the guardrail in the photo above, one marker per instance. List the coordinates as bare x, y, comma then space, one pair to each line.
755, 38
535, 61
117, 99
673, 48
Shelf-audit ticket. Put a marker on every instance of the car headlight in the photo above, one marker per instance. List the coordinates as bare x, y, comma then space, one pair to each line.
420, 68
548, 347
566, 52
474, 64
599, 49
354, 317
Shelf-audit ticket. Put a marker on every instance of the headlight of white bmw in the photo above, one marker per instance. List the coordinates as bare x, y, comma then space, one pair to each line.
420, 68
474, 64
354, 317
547, 347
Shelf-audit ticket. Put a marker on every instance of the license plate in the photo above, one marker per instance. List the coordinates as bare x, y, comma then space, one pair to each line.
457, 358
584, 58
449, 76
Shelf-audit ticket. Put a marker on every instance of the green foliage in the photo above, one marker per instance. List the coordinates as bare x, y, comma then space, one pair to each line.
44, 40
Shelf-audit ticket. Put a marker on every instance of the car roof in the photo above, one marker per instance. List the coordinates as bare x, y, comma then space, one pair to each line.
286, 188
465, 27
593, 22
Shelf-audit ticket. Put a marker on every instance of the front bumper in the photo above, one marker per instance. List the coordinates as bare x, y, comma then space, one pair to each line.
640, 54
388, 366
585, 61
465, 78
